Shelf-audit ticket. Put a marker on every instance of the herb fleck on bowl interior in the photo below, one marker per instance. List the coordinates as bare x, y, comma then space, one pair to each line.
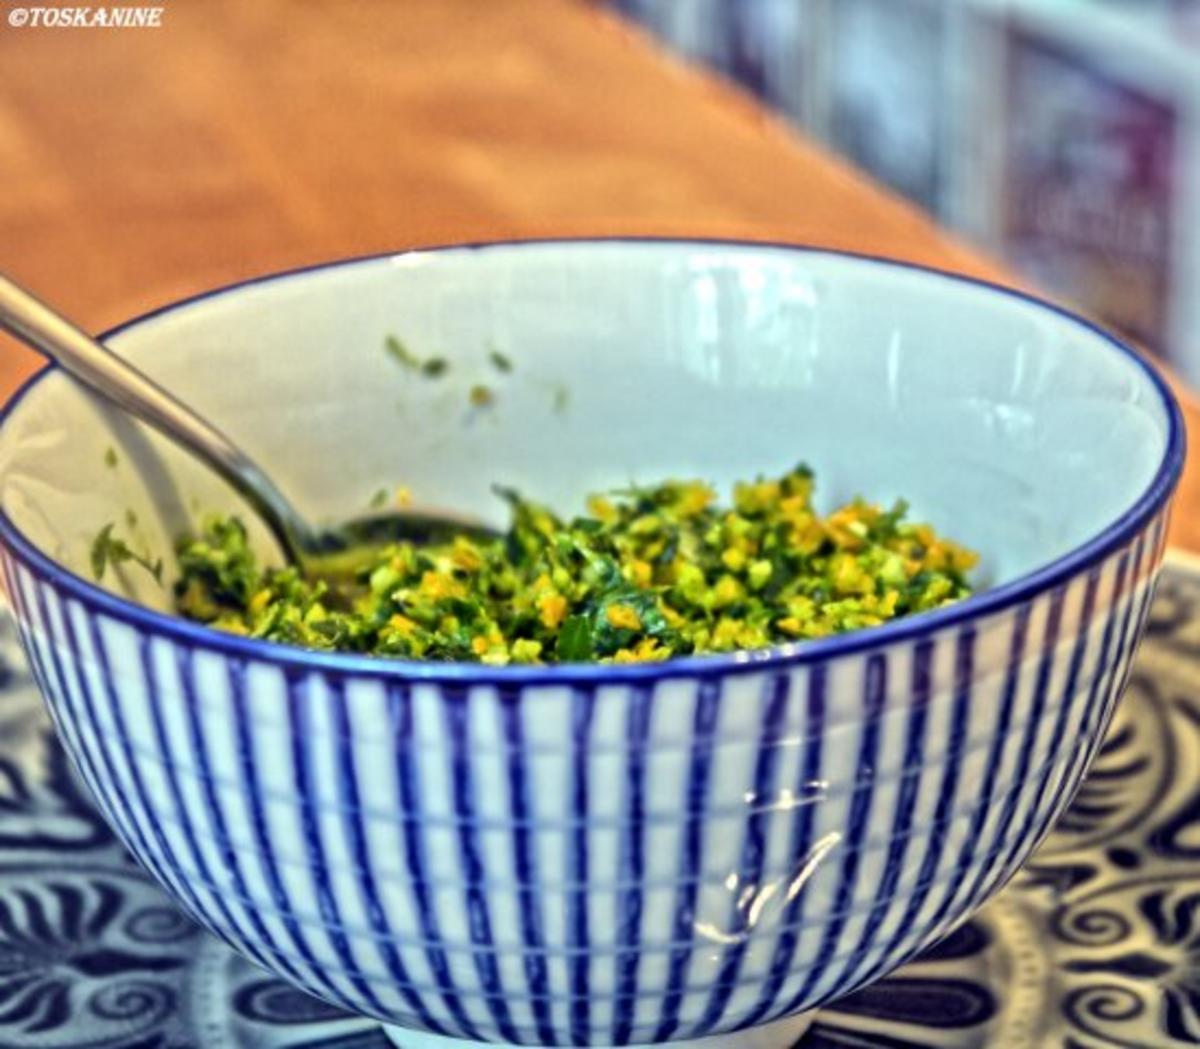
581, 854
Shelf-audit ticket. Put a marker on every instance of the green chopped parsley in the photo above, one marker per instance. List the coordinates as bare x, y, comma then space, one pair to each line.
379, 499
110, 457
647, 574
108, 549
500, 362
430, 367
400, 352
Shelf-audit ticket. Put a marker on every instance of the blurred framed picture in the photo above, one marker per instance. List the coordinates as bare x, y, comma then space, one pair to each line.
767, 47
888, 107
1089, 183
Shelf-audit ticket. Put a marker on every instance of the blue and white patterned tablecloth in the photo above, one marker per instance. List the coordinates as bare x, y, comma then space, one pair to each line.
1096, 944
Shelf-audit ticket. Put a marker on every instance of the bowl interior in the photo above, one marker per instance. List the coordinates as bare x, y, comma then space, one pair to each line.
1012, 427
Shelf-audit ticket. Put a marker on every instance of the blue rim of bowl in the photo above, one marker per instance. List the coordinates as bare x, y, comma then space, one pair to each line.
984, 603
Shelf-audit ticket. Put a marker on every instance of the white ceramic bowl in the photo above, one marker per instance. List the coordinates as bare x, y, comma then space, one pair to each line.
602, 855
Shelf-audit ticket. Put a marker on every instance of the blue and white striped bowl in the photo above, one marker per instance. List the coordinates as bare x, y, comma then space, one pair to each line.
596, 855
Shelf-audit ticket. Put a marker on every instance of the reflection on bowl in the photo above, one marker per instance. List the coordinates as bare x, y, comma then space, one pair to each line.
602, 855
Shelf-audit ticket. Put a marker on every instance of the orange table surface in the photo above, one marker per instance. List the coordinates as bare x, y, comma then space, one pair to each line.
140, 165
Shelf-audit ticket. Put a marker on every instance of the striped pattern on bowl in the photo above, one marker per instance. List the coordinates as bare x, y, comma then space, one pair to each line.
602, 862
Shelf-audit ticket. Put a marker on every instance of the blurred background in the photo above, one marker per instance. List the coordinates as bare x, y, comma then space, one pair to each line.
1057, 140
1061, 135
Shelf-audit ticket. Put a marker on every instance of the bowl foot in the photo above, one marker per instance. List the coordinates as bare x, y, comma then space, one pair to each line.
782, 1034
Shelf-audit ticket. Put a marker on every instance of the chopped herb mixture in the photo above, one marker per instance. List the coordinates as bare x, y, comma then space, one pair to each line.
647, 574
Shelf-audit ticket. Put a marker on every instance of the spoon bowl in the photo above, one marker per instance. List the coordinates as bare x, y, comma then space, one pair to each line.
602, 854
316, 551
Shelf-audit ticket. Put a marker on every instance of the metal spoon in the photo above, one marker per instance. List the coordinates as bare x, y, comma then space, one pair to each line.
115, 379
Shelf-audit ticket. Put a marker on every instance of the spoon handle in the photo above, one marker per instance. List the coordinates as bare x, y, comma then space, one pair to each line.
33, 322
